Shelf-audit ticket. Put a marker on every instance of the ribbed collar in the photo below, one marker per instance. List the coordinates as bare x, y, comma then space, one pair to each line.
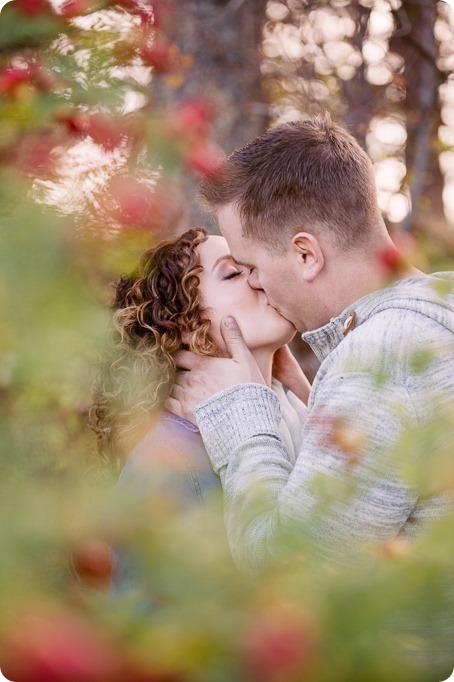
411, 293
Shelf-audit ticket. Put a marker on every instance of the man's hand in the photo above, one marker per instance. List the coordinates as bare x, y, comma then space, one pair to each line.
206, 376
287, 370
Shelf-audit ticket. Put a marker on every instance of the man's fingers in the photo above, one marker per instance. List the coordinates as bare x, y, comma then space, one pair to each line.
172, 405
175, 407
186, 359
231, 333
176, 392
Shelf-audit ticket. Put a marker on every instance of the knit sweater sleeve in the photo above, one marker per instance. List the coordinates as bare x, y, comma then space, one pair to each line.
240, 430
342, 492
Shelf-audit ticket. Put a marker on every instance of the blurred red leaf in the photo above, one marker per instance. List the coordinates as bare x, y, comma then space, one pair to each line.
13, 77
391, 260
153, 12
105, 130
191, 117
135, 204
160, 13
44, 79
58, 647
33, 7
74, 120
204, 158
279, 646
159, 53
33, 153
76, 8
92, 561
404, 251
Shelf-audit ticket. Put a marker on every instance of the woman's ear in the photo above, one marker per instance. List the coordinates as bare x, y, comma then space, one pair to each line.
309, 253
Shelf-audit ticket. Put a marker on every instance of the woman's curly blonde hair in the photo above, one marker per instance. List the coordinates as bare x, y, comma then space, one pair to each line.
154, 308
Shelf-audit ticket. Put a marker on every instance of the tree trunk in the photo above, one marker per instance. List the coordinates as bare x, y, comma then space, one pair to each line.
223, 39
360, 97
415, 41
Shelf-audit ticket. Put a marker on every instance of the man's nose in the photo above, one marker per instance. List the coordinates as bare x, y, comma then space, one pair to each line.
253, 280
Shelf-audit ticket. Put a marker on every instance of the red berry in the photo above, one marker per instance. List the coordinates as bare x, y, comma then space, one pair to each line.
34, 153
75, 121
391, 259
279, 647
44, 80
159, 54
191, 117
14, 76
92, 560
33, 7
204, 158
160, 13
58, 647
104, 130
76, 8
132, 203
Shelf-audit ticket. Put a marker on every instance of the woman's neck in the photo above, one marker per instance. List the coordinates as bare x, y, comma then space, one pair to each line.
264, 360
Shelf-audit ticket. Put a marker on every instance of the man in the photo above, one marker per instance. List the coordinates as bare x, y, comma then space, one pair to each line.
298, 208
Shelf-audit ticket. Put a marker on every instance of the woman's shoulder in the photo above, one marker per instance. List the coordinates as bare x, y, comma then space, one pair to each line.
167, 435
168, 421
172, 449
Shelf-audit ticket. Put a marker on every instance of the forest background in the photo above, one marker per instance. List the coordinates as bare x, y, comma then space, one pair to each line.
109, 115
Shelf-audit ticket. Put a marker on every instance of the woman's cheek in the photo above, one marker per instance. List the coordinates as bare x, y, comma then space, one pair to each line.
215, 331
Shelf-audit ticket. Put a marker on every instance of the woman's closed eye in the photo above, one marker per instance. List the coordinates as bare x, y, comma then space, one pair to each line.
233, 274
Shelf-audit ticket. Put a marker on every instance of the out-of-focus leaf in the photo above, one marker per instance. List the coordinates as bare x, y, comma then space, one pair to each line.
17, 30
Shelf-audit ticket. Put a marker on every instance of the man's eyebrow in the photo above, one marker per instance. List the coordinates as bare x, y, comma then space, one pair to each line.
240, 262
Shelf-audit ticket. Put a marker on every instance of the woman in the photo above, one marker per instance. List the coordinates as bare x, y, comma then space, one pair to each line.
176, 299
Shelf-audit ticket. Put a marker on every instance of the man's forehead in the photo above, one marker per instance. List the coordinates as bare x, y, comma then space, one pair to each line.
241, 261
243, 248
241, 251
229, 219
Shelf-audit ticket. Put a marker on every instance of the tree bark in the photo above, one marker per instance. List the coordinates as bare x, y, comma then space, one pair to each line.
223, 39
415, 41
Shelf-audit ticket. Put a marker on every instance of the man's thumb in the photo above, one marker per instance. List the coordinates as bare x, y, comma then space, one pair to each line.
232, 336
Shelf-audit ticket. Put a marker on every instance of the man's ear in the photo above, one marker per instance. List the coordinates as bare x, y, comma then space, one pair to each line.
309, 252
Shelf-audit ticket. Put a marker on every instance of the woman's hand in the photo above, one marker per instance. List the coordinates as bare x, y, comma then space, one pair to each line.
287, 370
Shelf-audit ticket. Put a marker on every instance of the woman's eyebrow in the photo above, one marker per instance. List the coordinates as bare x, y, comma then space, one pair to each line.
226, 256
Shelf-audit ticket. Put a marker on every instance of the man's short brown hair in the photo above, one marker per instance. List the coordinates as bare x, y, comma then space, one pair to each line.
307, 175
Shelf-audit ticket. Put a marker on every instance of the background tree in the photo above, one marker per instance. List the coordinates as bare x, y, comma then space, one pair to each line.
414, 39
378, 67
222, 40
